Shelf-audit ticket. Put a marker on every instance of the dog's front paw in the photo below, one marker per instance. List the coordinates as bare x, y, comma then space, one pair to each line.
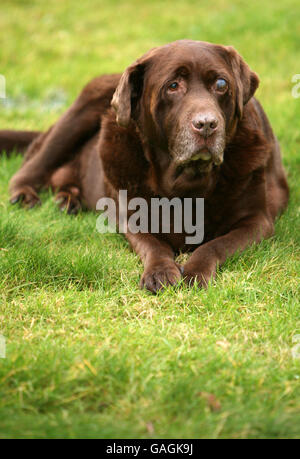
160, 275
26, 196
192, 275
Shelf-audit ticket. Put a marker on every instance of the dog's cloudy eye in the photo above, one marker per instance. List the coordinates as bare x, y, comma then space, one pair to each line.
221, 85
173, 86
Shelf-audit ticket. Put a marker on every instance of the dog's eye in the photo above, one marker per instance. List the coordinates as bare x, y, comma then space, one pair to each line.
173, 86
221, 85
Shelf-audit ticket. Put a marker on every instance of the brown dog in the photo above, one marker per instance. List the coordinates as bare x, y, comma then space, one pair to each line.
184, 124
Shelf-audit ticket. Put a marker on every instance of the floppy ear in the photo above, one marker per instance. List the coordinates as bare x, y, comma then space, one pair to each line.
130, 89
127, 93
246, 81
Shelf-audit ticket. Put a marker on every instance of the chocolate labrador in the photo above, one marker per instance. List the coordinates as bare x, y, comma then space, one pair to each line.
181, 122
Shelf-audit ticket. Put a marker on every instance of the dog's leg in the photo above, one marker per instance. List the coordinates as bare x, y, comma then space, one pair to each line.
58, 148
66, 183
202, 265
61, 143
160, 269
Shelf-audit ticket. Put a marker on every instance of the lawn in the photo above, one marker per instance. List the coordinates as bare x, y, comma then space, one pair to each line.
88, 353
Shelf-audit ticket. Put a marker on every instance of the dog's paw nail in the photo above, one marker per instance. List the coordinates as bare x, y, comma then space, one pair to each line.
33, 204
16, 199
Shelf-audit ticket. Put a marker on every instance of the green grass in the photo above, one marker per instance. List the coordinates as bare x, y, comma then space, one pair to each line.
88, 353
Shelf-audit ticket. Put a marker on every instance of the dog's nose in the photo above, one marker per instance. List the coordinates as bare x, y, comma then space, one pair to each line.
205, 125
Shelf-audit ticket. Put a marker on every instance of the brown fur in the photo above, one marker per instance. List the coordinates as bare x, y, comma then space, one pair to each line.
16, 140
146, 145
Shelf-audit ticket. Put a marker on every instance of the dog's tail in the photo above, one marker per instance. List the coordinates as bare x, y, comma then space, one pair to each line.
16, 141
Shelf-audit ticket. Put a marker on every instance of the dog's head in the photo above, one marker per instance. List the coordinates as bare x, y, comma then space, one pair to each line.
186, 98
